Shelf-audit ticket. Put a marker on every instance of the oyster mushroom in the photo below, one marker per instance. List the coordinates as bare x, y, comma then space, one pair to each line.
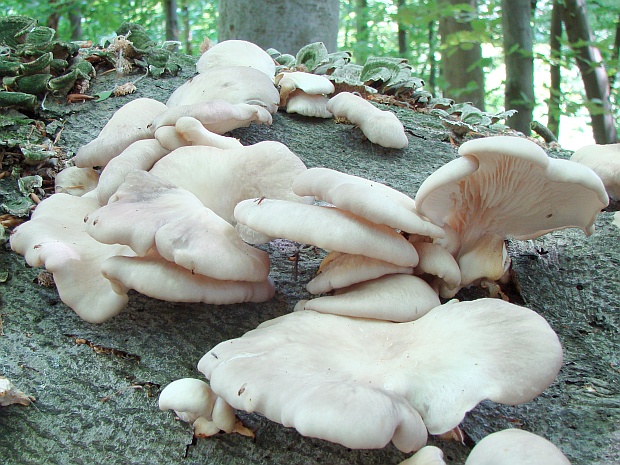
605, 162
236, 53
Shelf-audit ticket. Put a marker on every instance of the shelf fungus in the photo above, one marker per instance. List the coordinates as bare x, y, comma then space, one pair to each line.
363, 383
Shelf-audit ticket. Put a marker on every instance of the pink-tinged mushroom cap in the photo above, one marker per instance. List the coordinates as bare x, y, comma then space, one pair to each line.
312, 84
159, 278
605, 162
371, 200
436, 261
428, 455
308, 105
326, 227
507, 187
381, 127
217, 116
353, 381
236, 53
394, 297
515, 447
56, 238
234, 84
338, 270
147, 212
76, 181
193, 131
223, 178
129, 124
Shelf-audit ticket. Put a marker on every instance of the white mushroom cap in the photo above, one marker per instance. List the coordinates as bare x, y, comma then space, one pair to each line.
605, 162
379, 126
156, 277
428, 455
435, 260
236, 53
55, 237
76, 181
309, 83
129, 124
308, 105
515, 447
234, 84
141, 155
217, 116
147, 212
352, 380
507, 187
326, 227
371, 200
394, 297
223, 178
193, 131
338, 270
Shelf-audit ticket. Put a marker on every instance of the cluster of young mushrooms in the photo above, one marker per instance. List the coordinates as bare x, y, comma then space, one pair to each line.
178, 205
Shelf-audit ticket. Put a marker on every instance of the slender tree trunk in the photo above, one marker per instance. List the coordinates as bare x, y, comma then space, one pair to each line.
432, 62
75, 20
592, 70
284, 25
519, 60
615, 54
172, 20
187, 29
461, 64
52, 18
402, 32
555, 87
362, 33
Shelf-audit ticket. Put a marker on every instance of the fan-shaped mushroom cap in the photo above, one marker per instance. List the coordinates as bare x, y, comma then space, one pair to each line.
236, 53
379, 126
326, 227
507, 187
435, 260
129, 124
223, 178
141, 155
234, 84
371, 200
338, 270
353, 381
605, 162
394, 297
195, 133
55, 237
76, 181
147, 212
217, 116
308, 105
428, 455
515, 447
308, 83
159, 278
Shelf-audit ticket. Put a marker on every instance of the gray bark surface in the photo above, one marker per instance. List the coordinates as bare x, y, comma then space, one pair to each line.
284, 25
100, 407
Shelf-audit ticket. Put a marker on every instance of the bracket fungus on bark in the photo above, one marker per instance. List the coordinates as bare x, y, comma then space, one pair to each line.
381, 127
362, 383
129, 124
56, 238
507, 187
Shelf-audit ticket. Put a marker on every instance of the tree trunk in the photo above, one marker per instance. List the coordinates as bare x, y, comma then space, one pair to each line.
592, 70
172, 20
187, 29
284, 25
519, 60
461, 63
402, 32
555, 88
52, 19
432, 62
615, 54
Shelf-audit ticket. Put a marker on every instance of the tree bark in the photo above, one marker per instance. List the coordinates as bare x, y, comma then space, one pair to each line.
432, 62
172, 20
592, 70
555, 87
75, 20
187, 28
52, 19
402, 32
615, 54
284, 25
461, 63
519, 60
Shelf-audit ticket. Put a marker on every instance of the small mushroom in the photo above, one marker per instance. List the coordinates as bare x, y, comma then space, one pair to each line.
236, 53
515, 447
605, 162
76, 181
428, 455
381, 127
129, 124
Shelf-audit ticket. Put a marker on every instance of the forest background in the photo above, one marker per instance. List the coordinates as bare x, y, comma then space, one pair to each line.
555, 61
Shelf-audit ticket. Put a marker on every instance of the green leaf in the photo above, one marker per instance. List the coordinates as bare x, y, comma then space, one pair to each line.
101, 96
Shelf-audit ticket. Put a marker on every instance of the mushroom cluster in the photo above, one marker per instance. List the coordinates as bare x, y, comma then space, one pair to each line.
178, 207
